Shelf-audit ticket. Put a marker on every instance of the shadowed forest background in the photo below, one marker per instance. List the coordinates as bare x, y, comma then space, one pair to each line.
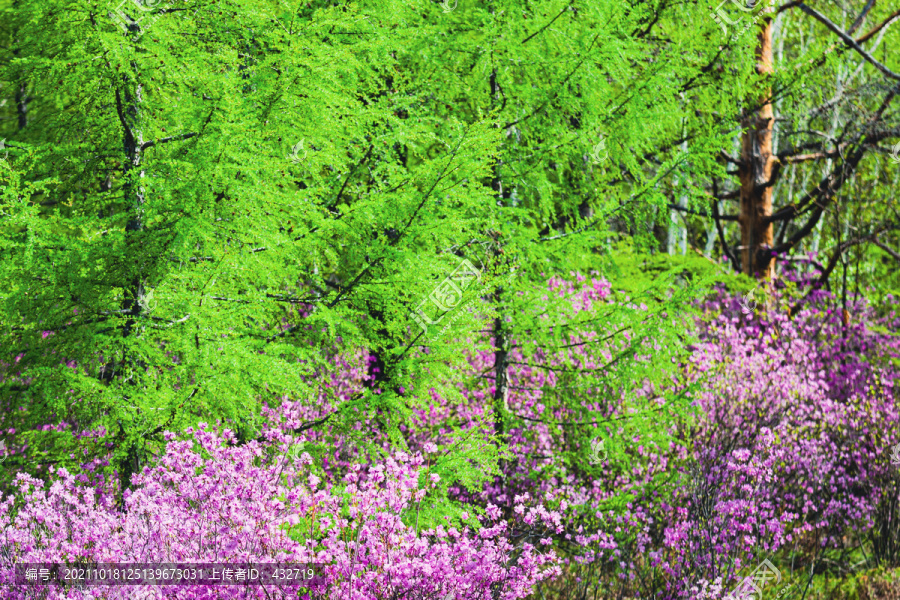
453, 300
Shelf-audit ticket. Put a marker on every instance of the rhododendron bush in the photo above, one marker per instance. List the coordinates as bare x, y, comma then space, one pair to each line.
774, 441
450, 299
209, 500
380, 522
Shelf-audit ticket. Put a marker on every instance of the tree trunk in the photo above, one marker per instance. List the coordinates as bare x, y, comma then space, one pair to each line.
501, 341
134, 301
132, 141
22, 99
677, 237
756, 171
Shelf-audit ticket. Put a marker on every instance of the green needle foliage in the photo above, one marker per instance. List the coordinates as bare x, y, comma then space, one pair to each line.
202, 196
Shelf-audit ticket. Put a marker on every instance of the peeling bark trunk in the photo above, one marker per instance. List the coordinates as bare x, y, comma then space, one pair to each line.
756, 172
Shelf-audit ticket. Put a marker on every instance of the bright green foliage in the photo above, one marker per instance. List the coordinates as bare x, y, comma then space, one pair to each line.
178, 191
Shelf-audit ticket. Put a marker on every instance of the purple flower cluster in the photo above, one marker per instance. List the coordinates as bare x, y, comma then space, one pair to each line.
788, 451
210, 500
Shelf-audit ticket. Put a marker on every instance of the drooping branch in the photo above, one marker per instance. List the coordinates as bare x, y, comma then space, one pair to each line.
862, 16
350, 174
553, 20
831, 182
559, 87
886, 248
893, 17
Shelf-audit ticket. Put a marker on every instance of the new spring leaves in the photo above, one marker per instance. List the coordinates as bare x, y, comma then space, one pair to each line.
136, 16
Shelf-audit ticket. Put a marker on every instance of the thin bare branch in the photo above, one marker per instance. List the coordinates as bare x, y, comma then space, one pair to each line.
848, 40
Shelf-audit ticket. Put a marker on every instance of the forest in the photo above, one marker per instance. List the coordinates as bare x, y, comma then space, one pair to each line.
449, 299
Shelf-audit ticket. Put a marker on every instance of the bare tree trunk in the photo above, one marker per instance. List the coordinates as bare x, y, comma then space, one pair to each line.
134, 301
711, 233
677, 237
501, 340
133, 191
22, 99
756, 172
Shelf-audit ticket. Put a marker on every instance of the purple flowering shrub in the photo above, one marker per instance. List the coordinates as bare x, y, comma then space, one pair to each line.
786, 451
797, 417
210, 500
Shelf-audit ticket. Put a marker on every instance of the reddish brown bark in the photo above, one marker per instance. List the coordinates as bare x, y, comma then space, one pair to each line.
756, 170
